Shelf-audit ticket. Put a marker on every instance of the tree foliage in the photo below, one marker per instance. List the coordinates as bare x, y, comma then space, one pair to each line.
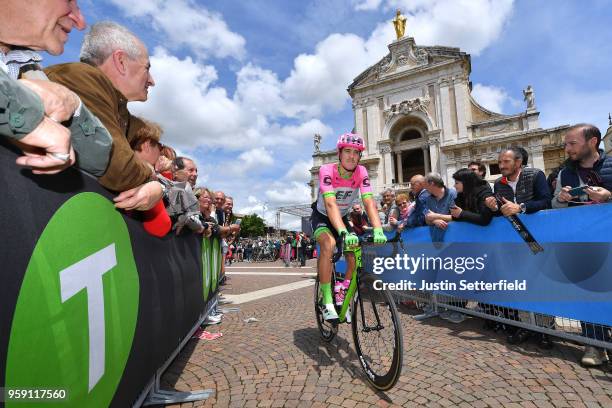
252, 226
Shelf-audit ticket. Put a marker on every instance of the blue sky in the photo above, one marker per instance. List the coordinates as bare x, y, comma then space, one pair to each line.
243, 86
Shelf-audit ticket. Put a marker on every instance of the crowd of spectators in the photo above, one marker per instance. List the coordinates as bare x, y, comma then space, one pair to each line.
584, 178
294, 248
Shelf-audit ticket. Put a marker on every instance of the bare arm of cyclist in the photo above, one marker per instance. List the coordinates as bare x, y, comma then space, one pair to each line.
333, 212
370, 207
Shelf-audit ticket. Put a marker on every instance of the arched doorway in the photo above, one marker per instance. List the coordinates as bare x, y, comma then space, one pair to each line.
410, 148
413, 162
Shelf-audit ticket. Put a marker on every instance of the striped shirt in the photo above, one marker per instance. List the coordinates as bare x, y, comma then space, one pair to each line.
15, 59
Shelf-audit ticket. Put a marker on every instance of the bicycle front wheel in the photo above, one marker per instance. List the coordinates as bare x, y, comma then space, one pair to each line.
377, 333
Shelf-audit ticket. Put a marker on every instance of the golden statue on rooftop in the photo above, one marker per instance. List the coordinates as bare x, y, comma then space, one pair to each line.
399, 23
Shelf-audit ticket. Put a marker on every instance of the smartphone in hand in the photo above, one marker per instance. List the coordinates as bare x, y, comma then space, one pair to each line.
578, 191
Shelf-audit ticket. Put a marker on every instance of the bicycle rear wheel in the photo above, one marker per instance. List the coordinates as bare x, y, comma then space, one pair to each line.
377, 333
328, 330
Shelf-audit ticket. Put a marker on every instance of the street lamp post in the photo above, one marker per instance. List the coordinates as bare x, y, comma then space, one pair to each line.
264, 207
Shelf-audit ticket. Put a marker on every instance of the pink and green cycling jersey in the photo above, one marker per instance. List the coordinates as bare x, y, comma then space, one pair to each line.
346, 190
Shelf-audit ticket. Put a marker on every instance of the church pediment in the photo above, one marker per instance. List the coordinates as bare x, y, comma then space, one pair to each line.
405, 56
406, 107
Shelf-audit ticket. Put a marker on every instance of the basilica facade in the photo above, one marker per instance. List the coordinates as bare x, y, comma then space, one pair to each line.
416, 112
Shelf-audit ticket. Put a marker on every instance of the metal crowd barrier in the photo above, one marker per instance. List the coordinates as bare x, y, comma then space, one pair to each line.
155, 395
586, 333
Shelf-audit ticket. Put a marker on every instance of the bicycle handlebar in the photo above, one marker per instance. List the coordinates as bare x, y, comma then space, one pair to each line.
369, 239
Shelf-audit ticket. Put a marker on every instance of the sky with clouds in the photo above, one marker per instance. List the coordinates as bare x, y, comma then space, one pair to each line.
242, 86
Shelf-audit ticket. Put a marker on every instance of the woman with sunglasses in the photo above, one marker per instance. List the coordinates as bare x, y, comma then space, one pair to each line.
405, 208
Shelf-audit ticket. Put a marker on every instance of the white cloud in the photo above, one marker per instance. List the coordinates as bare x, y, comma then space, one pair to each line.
255, 158
203, 114
199, 113
259, 91
252, 199
300, 171
185, 23
292, 134
490, 97
294, 193
247, 164
318, 81
367, 4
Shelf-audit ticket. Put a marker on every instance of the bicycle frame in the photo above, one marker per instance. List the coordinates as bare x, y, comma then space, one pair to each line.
353, 286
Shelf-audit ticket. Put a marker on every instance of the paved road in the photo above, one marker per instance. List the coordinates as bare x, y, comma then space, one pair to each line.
279, 361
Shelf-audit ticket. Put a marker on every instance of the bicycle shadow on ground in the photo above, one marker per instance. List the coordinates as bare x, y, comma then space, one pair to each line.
324, 354
338, 351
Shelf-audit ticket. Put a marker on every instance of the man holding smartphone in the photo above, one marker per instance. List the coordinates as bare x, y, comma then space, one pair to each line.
587, 176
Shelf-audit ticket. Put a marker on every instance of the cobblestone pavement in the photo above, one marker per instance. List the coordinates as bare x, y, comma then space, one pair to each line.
279, 361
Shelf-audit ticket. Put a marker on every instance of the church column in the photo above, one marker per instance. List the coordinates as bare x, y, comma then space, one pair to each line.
400, 170
537, 157
461, 100
387, 161
445, 108
426, 158
434, 154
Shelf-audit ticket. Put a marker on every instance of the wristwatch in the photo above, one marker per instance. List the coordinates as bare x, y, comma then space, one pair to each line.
164, 191
523, 208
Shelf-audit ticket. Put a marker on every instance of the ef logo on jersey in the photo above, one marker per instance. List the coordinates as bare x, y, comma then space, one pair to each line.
343, 195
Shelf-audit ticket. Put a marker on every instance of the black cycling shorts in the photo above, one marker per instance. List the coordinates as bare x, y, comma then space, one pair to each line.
321, 223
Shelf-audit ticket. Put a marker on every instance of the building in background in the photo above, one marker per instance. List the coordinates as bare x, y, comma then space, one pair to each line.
607, 139
416, 112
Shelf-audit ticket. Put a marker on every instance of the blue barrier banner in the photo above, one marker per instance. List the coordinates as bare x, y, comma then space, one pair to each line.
570, 278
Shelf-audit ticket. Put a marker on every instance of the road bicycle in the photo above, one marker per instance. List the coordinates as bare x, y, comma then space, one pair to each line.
375, 323
263, 254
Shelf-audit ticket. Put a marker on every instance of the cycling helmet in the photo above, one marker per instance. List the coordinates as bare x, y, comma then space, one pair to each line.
350, 140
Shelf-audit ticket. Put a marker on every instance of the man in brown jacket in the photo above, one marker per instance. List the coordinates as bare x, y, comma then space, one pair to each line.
114, 71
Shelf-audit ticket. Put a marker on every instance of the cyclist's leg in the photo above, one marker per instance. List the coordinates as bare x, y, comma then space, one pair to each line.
325, 235
349, 256
326, 243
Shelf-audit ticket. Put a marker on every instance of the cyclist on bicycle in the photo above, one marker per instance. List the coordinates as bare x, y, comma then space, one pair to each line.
339, 185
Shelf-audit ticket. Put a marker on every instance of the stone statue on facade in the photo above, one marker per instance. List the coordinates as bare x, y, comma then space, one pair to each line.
317, 143
399, 23
529, 97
